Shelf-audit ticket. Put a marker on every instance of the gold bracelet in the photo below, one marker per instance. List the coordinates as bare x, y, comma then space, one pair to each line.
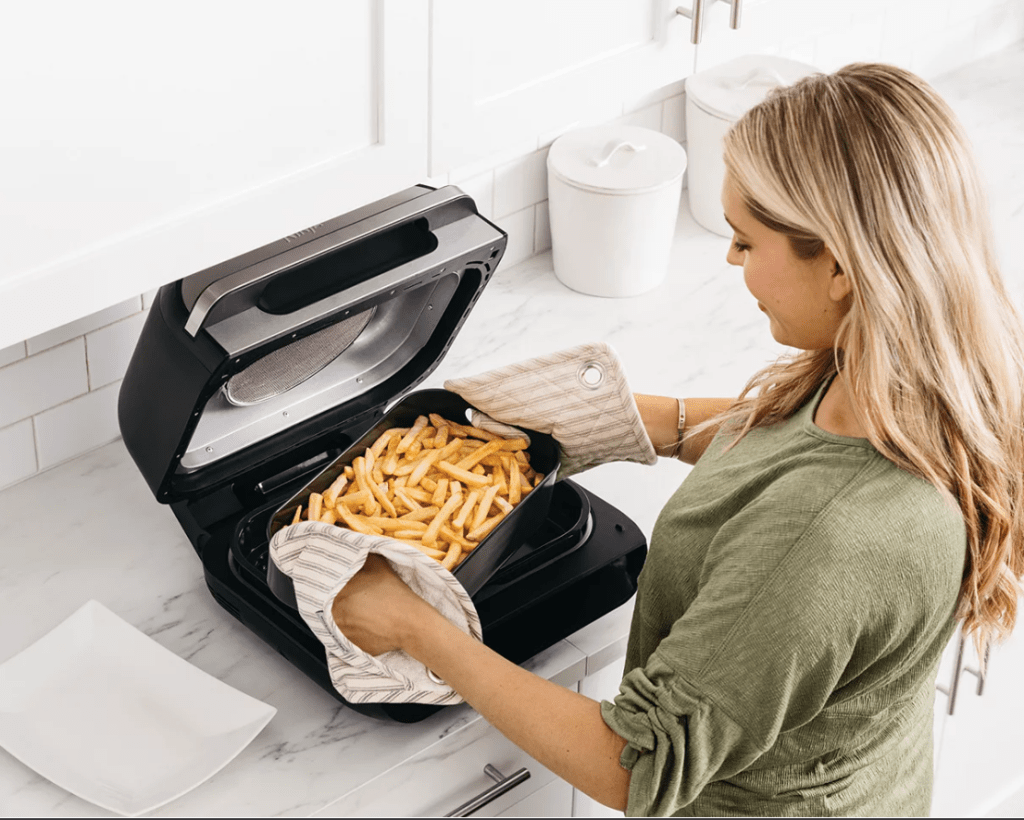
680, 427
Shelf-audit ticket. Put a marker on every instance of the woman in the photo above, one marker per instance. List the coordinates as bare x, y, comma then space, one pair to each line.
858, 499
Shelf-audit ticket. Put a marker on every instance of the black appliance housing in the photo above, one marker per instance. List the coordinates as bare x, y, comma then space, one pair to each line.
252, 377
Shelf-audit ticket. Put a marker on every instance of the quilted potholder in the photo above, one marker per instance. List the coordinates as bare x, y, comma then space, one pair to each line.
320, 559
579, 396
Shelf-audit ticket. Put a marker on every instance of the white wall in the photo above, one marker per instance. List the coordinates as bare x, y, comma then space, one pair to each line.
58, 391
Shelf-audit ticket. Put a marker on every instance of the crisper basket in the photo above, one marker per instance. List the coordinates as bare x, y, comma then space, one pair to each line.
495, 549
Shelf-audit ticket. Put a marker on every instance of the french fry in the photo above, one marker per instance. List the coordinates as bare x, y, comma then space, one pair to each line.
384, 440
363, 480
422, 514
411, 503
437, 499
353, 500
331, 493
479, 433
452, 537
515, 488
430, 535
460, 520
382, 499
298, 515
454, 553
386, 523
465, 476
316, 502
435, 554
441, 437
420, 470
353, 523
484, 529
391, 457
410, 437
481, 452
329, 516
485, 506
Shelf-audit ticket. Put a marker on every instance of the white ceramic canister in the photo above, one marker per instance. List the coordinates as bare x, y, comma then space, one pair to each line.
613, 195
715, 99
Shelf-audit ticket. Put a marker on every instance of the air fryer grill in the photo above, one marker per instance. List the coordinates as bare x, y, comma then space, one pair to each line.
252, 377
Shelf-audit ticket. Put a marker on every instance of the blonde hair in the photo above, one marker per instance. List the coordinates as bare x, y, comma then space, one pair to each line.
871, 163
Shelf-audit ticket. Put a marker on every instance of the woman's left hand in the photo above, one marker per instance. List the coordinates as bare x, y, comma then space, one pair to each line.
375, 608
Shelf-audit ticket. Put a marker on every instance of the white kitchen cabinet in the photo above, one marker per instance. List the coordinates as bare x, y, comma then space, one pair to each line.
981, 760
553, 800
502, 73
450, 773
142, 142
827, 35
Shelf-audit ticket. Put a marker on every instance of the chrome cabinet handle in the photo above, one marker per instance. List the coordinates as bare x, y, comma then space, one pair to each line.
954, 683
736, 6
696, 15
981, 673
951, 690
501, 785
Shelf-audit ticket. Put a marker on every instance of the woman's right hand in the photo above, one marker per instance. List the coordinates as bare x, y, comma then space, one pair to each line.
376, 610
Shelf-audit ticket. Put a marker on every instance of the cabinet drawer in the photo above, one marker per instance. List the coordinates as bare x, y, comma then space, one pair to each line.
445, 776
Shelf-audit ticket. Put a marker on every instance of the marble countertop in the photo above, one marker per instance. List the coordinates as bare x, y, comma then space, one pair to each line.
90, 528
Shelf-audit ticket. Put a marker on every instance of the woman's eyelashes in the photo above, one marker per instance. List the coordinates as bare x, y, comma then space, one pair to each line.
740, 246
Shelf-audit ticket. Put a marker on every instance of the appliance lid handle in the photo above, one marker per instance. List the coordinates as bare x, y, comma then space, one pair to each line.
347, 235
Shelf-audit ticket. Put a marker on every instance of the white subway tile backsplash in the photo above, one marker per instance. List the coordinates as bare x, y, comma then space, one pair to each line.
490, 163
42, 381
78, 426
79, 327
12, 354
997, 28
598, 116
481, 188
673, 118
17, 452
520, 183
856, 42
917, 18
649, 117
109, 349
542, 228
942, 50
520, 228
662, 94
803, 51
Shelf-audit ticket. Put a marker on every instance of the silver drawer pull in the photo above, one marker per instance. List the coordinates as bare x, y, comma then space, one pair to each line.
501, 785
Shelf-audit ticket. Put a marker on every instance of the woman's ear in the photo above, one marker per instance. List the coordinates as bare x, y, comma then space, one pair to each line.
839, 285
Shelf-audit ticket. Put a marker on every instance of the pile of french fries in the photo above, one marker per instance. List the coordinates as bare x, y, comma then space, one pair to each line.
439, 485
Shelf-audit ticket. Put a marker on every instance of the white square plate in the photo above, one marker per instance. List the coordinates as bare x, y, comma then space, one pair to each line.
107, 713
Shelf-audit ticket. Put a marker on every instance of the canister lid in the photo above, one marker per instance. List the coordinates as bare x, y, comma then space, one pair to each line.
734, 87
617, 159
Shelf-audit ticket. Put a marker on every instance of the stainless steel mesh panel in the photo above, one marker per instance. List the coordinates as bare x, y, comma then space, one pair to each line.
291, 365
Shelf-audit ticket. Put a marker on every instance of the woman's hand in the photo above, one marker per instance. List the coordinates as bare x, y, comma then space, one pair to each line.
375, 608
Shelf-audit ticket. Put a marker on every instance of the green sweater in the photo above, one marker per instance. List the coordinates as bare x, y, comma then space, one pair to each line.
796, 600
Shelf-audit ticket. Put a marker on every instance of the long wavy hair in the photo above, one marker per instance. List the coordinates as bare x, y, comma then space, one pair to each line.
870, 162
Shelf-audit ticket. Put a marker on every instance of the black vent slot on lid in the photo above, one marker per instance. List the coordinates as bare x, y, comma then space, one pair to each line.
334, 272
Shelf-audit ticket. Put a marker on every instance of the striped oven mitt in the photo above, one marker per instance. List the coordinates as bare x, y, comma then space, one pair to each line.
320, 559
579, 396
